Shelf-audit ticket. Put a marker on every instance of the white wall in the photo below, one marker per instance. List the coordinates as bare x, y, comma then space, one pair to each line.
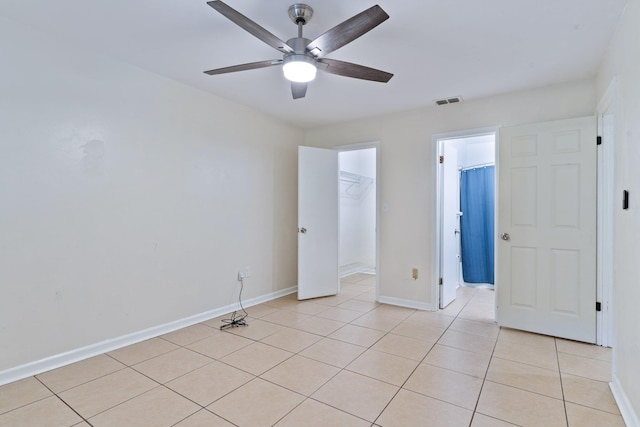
358, 214
478, 150
623, 61
407, 171
129, 200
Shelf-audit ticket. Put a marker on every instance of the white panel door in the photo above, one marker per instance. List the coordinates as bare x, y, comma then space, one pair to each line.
318, 218
547, 228
450, 226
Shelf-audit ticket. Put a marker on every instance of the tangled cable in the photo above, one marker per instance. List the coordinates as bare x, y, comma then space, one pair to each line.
236, 319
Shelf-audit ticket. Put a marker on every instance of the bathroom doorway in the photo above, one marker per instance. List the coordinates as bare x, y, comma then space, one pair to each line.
467, 213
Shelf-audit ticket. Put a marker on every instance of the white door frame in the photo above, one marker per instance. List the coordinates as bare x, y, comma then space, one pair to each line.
436, 259
364, 146
606, 110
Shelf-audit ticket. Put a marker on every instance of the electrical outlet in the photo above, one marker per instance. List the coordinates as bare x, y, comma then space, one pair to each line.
243, 273
414, 274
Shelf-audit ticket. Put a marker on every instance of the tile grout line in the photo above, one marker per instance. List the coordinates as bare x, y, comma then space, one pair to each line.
63, 401
484, 379
159, 384
29, 403
278, 364
340, 369
422, 361
564, 401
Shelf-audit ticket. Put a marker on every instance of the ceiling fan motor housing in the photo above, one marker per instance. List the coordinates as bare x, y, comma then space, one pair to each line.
298, 44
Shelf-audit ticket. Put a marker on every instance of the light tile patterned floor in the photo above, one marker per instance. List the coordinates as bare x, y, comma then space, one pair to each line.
336, 361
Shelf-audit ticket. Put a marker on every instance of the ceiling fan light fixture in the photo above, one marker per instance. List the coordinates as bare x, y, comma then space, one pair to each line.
299, 68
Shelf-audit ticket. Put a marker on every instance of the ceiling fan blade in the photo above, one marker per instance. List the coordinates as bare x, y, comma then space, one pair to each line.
250, 26
298, 90
348, 31
244, 67
356, 71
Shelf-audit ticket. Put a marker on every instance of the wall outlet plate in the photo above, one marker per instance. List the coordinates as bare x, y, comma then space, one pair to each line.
243, 273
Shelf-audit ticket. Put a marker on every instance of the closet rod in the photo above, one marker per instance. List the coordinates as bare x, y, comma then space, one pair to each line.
353, 177
482, 165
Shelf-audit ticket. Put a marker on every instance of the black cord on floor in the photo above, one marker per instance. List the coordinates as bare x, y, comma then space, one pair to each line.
236, 319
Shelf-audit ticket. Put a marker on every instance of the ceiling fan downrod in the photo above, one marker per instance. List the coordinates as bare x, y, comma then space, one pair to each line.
300, 14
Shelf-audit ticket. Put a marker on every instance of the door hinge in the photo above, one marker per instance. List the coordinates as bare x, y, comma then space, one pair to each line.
441, 159
599, 140
440, 281
598, 306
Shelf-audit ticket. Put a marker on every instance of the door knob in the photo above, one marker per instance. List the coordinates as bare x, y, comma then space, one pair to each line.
303, 230
505, 236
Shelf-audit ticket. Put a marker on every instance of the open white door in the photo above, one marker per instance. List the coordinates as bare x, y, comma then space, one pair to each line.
547, 228
450, 255
318, 217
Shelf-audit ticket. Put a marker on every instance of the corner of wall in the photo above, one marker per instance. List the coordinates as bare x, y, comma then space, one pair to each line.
629, 415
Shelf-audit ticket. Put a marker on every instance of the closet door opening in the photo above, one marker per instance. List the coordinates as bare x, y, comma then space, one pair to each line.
358, 218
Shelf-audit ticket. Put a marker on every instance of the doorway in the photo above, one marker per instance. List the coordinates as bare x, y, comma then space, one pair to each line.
320, 268
466, 196
358, 165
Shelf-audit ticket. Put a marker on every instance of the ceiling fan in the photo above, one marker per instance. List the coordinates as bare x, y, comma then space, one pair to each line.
303, 57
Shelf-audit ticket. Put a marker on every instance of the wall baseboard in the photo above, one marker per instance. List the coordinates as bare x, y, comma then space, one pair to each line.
76, 355
626, 409
407, 303
354, 268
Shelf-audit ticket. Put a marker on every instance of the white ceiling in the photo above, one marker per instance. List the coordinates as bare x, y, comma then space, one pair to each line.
435, 48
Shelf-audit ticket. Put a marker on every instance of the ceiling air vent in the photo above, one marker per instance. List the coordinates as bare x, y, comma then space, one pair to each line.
445, 101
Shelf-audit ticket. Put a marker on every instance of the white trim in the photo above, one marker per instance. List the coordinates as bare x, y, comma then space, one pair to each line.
364, 146
496, 263
630, 417
606, 110
437, 224
610, 97
62, 359
436, 259
418, 305
355, 268
466, 133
